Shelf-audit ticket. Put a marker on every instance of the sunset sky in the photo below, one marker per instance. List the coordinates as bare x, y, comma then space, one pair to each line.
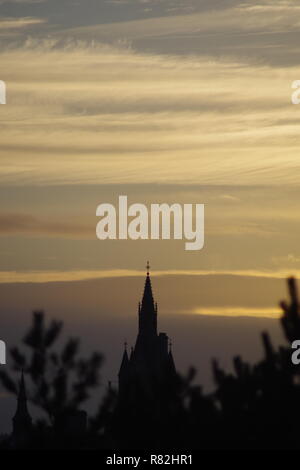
185, 101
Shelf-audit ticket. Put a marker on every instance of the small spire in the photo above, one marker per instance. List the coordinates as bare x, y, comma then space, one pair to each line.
22, 411
148, 296
124, 363
147, 310
125, 345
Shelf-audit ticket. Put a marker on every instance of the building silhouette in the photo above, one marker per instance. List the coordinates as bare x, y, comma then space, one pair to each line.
147, 389
150, 364
22, 421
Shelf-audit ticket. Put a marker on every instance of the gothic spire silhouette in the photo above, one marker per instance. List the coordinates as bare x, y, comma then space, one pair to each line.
147, 301
150, 360
148, 310
125, 361
22, 410
22, 422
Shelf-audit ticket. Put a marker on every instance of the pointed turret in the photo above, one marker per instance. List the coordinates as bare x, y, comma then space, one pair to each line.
148, 310
147, 301
22, 422
22, 410
124, 371
124, 363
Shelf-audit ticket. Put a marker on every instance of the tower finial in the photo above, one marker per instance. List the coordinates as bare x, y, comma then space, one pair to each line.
148, 268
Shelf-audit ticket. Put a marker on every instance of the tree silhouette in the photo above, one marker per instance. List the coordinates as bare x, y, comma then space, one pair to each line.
60, 381
255, 406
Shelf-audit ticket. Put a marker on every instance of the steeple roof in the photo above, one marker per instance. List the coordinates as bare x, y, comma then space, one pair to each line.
125, 362
148, 311
148, 301
22, 410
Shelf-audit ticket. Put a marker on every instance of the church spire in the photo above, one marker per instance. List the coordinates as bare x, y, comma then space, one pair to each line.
148, 302
22, 410
125, 361
22, 421
148, 309
150, 363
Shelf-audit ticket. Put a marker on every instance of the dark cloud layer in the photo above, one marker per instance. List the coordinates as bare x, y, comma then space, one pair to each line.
91, 12
257, 32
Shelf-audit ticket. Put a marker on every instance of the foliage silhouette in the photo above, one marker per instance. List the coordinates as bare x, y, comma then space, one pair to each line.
60, 382
256, 406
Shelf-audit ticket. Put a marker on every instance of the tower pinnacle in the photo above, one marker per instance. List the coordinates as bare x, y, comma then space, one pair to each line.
148, 309
22, 422
148, 268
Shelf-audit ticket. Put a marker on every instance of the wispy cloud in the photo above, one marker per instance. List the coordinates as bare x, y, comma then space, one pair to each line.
18, 223
255, 31
206, 293
205, 116
83, 275
17, 23
239, 312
